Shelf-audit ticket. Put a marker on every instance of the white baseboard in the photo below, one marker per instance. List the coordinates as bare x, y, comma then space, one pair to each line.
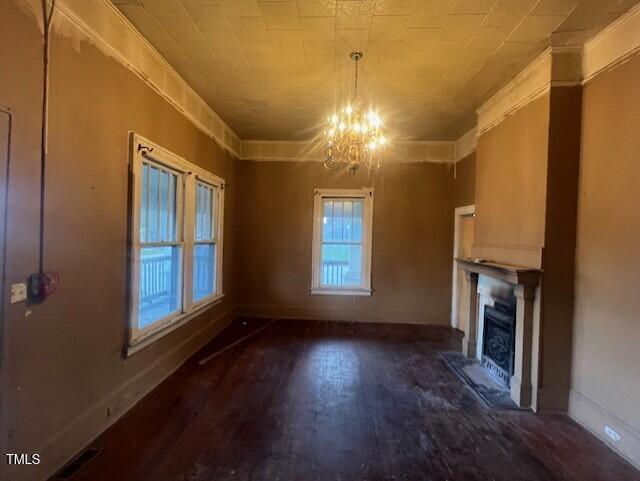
56, 450
595, 418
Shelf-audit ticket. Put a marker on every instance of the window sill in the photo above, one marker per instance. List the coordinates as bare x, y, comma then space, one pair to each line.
152, 336
353, 291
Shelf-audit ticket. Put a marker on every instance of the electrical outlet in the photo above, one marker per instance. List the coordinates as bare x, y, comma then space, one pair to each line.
613, 435
18, 293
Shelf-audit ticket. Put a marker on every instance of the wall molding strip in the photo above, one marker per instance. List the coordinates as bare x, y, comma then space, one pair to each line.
466, 144
555, 67
312, 151
613, 45
100, 22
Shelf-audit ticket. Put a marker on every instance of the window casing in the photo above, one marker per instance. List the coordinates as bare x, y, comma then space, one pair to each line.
342, 237
176, 242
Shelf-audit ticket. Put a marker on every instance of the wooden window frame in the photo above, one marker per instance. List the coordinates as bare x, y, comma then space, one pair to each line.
319, 195
188, 175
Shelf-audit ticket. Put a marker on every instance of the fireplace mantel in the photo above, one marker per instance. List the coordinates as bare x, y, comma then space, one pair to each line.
516, 275
525, 281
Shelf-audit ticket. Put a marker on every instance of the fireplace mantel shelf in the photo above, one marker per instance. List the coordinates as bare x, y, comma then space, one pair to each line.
516, 275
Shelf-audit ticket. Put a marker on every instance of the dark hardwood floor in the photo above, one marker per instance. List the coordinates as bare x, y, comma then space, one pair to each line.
309, 401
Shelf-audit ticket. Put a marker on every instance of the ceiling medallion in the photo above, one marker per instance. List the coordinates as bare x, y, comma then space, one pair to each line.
353, 136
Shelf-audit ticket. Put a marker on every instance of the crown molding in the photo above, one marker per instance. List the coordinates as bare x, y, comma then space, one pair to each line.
310, 151
101, 23
555, 67
466, 144
613, 45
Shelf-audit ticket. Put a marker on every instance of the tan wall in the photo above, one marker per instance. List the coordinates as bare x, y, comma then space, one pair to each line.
412, 242
464, 183
62, 363
510, 191
606, 353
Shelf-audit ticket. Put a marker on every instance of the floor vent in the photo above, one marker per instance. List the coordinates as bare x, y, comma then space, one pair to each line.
76, 464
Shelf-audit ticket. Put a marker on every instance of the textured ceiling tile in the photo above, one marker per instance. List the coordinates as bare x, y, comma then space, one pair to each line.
488, 39
431, 13
181, 29
280, 15
354, 13
555, 7
428, 63
394, 7
318, 28
389, 27
249, 29
420, 37
150, 28
240, 8
508, 13
214, 3
535, 28
207, 17
350, 40
460, 27
286, 42
317, 8
164, 8
314, 49
473, 6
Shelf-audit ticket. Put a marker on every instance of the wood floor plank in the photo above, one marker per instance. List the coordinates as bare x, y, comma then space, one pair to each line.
309, 401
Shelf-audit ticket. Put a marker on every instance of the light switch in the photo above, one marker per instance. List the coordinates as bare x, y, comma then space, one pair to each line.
18, 293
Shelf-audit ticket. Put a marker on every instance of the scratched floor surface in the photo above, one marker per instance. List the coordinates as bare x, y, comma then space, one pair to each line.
318, 401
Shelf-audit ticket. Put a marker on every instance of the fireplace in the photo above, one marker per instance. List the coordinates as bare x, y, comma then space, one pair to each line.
498, 340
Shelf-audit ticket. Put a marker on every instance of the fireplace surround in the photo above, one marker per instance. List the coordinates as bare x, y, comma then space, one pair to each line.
523, 380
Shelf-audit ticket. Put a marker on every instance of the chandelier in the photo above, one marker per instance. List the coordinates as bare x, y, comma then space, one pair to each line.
353, 137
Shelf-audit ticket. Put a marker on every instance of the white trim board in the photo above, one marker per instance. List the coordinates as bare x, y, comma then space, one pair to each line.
555, 67
613, 45
466, 144
312, 151
100, 22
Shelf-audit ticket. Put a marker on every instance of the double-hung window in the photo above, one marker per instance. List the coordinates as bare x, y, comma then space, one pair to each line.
342, 231
176, 234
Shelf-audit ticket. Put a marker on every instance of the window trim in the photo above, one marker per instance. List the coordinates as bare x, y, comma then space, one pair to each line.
366, 194
188, 173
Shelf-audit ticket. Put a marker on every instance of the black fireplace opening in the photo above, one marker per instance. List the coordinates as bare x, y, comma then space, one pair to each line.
498, 341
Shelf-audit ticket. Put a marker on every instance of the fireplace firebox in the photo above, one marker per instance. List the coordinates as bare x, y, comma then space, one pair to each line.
498, 344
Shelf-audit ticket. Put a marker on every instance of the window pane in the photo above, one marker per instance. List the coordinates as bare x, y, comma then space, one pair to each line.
337, 220
159, 283
158, 205
327, 220
204, 268
341, 265
342, 243
205, 200
357, 221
